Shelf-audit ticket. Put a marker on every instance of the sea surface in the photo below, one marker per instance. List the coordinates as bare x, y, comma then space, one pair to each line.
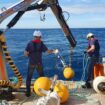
17, 40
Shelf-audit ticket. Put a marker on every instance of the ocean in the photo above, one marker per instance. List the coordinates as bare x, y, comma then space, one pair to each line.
17, 40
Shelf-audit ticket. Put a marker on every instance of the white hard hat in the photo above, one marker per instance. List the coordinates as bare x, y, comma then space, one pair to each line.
37, 33
89, 35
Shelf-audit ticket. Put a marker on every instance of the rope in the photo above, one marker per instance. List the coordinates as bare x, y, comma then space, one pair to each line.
61, 59
78, 92
4, 102
12, 65
85, 64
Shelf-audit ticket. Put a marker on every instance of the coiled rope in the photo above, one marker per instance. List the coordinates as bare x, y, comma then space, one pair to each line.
12, 65
86, 59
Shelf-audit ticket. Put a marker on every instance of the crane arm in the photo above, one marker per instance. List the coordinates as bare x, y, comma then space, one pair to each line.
20, 13
57, 10
25, 5
21, 6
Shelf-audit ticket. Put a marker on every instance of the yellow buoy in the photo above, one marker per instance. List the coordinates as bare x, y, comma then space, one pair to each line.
62, 92
68, 73
42, 83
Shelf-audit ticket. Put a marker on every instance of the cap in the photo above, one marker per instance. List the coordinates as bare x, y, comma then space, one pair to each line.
37, 33
89, 35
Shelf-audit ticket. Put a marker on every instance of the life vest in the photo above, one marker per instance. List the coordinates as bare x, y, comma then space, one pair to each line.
96, 44
37, 45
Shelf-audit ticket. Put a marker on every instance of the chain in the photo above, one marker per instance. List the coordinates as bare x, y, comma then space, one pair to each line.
71, 53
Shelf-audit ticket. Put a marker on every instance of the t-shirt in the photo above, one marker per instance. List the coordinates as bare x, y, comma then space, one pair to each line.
35, 52
94, 42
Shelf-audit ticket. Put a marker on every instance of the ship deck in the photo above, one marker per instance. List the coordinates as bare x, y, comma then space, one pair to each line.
78, 96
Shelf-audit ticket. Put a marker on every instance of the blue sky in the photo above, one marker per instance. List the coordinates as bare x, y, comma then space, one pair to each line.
83, 14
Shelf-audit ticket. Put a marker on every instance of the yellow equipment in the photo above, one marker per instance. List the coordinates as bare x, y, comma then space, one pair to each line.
42, 83
62, 92
68, 73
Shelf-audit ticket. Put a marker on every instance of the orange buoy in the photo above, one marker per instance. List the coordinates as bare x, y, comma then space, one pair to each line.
98, 70
68, 73
62, 92
42, 83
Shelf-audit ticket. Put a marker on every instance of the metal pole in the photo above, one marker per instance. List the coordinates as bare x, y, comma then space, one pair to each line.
3, 71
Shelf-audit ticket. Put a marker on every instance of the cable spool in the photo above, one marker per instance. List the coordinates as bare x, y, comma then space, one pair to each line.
99, 84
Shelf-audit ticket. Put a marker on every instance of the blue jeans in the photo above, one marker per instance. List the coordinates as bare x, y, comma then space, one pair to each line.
31, 69
92, 60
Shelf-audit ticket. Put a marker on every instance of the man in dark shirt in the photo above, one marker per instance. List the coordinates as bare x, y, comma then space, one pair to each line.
92, 56
34, 51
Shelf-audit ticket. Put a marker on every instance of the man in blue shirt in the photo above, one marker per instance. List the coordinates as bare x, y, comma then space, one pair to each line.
34, 51
93, 58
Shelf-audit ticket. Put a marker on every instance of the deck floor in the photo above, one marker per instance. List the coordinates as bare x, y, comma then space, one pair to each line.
84, 97
78, 96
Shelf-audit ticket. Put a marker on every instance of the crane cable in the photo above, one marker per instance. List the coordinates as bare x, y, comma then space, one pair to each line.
11, 63
70, 59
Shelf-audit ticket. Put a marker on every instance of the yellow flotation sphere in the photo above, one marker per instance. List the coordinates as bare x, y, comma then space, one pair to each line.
62, 92
68, 73
42, 83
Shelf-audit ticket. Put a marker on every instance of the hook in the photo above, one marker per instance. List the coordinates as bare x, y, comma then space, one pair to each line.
3, 9
67, 13
42, 18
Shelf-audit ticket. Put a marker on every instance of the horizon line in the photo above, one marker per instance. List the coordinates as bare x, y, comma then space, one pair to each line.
57, 28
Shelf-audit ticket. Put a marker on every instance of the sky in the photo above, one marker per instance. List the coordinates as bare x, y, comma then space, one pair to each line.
83, 14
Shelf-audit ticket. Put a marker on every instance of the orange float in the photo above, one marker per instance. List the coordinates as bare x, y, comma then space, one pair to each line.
68, 73
62, 92
42, 83
98, 70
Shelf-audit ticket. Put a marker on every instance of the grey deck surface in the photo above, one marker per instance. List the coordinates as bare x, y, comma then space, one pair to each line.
89, 97
78, 96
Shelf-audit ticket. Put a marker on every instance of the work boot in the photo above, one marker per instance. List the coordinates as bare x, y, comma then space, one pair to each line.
28, 94
87, 85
